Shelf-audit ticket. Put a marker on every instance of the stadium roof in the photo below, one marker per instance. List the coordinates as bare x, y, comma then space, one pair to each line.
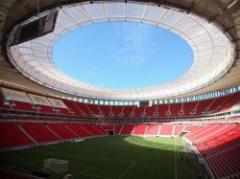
214, 50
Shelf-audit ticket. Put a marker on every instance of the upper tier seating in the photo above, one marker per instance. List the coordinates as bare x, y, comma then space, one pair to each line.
162, 111
105, 110
75, 110
150, 111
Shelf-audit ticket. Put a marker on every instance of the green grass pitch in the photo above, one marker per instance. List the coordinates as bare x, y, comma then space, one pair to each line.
112, 157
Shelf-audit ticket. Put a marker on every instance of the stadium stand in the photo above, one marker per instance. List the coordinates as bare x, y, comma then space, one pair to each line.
166, 130
139, 129
126, 129
26, 134
29, 117
61, 131
39, 132
117, 129
12, 136
79, 130
168, 111
152, 129
219, 147
217, 144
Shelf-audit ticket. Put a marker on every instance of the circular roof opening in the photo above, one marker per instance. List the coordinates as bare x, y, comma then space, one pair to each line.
123, 55
213, 49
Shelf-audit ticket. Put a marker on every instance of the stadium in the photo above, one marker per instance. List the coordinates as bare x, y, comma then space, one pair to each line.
176, 114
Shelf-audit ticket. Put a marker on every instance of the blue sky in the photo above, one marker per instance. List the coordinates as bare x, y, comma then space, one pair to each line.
123, 55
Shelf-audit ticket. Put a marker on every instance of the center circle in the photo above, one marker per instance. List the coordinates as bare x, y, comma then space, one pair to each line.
123, 55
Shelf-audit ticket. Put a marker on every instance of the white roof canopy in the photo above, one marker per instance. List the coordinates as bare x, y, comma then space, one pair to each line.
213, 49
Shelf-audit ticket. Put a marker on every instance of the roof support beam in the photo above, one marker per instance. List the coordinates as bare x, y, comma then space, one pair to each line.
222, 11
190, 8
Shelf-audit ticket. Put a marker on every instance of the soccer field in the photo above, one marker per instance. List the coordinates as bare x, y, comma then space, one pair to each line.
112, 157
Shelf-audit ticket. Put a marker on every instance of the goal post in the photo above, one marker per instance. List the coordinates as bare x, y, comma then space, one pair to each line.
56, 165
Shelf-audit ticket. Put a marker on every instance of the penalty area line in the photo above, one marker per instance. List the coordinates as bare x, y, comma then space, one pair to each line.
127, 169
86, 173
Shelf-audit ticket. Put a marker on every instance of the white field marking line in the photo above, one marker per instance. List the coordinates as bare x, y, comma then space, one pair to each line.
84, 157
127, 169
90, 168
92, 175
98, 176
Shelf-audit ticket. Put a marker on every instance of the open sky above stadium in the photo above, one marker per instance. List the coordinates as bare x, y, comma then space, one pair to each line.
123, 55
126, 51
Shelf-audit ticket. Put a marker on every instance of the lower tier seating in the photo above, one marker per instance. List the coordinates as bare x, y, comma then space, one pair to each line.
140, 129
79, 130
39, 132
218, 144
61, 131
12, 136
15, 135
127, 130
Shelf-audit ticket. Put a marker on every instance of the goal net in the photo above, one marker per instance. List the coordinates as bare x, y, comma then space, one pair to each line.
56, 165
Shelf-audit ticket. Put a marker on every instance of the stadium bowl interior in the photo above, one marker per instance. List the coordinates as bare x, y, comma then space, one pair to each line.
186, 128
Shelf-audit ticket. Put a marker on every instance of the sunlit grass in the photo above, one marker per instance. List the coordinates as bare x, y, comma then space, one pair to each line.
109, 157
